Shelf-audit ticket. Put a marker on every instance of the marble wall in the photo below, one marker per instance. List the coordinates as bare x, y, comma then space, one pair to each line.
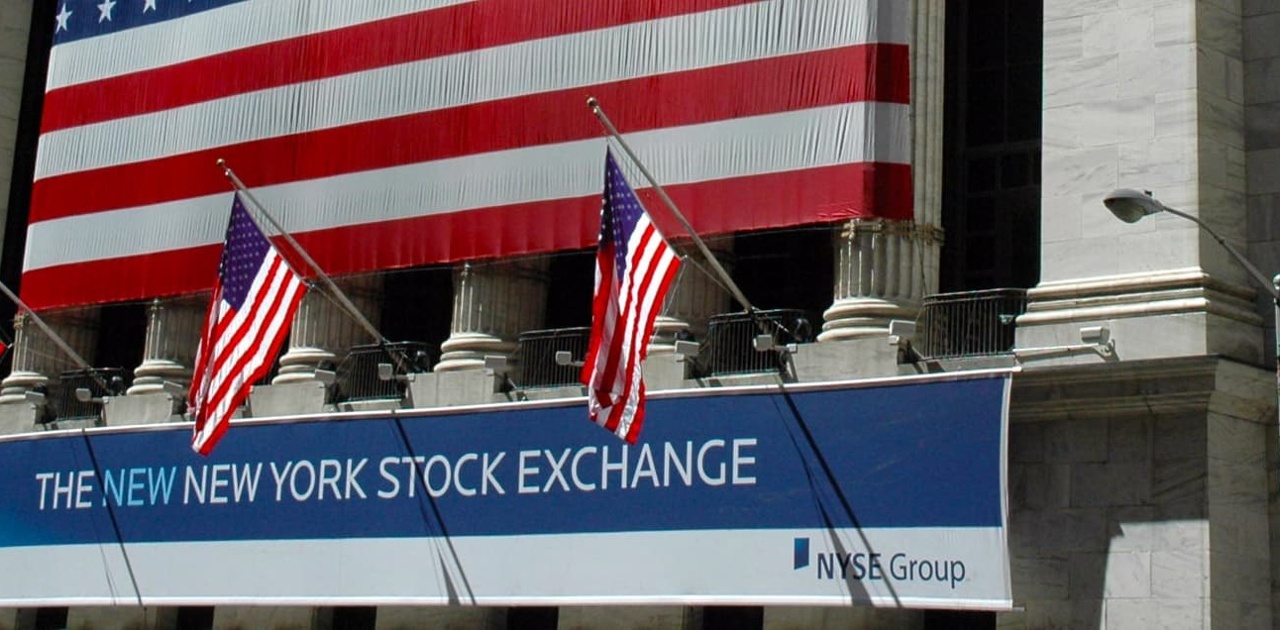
15, 18
1144, 94
1261, 52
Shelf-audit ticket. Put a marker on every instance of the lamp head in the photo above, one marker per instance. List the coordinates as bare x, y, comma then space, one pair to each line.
1130, 205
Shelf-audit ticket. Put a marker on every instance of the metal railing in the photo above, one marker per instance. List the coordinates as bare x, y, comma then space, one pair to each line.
969, 323
729, 346
67, 406
357, 376
537, 356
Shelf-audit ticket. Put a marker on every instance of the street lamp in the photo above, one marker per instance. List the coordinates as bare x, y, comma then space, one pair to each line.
1131, 205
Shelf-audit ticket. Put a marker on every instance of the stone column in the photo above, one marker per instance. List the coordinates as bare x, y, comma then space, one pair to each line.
1146, 96
322, 331
173, 334
883, 271
693, 299
37, 359
492, 304
885, 268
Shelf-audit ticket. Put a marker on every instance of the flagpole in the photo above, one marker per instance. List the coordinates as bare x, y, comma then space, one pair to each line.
594, 105
338, 294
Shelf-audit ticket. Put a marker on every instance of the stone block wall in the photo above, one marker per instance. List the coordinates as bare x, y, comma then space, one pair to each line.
1145, 94
1261, 53
1139, 500
15, 19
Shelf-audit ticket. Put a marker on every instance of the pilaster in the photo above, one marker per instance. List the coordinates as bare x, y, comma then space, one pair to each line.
37, 359
323, 331
173, 334
1149, 96
15, 20
883, 269
38, 362
492, 304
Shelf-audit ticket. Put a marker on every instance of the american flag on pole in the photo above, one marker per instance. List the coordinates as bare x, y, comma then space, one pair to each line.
254, 299
634, 269
388, 134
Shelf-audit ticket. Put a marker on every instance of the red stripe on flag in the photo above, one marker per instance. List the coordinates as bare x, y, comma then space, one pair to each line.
757, 202
632, 345
227, 363
633, 432
622, 363
446, 31
223, 372
860, 73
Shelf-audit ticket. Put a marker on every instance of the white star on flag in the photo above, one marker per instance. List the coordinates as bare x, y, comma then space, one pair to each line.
62, 16
104, 10
148, 5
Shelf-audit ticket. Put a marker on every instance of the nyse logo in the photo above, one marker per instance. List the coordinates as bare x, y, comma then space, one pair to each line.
876, 567
800, 559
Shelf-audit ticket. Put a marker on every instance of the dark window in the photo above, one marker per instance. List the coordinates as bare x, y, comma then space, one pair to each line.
787, 269
354, 618
122, 337
991, 172
50, 619
533, 618
732, 617
194, 618
417, 305
959, 620
573, 277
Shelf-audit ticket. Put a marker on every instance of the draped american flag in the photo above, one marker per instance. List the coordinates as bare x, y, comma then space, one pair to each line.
634, 269
254, 299
400, 133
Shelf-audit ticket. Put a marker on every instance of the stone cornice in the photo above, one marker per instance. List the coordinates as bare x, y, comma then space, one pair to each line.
1204, 384
1173, 292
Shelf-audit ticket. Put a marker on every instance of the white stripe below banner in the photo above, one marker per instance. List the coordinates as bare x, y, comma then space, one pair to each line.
918, 568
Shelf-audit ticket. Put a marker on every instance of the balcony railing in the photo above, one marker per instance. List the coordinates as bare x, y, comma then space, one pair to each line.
358, 377
729, 347
969, 323
99, 382
537, 356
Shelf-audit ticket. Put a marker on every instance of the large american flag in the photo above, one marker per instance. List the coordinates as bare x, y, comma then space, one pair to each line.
634, 269
397, 133
254, 299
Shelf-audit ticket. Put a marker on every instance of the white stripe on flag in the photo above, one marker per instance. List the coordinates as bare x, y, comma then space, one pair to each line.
723, 37
745, 146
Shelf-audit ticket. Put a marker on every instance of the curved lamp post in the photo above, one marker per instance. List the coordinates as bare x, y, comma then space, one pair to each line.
1131, 205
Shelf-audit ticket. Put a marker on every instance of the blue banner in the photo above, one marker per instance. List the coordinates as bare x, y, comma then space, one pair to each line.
922, 455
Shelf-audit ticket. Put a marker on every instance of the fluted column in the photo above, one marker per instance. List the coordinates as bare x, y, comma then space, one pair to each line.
885, 268
322, 331
173, 334
693, 299
37, 359
492, 304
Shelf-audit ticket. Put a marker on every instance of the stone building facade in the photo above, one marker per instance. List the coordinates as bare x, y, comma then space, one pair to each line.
1142, 484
